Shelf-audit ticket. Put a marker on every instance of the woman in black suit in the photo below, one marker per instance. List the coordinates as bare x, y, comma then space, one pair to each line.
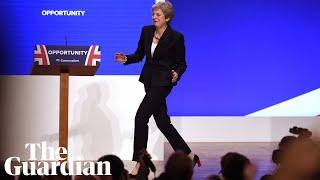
165, 63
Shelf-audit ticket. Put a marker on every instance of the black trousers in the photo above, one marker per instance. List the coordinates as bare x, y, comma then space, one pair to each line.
154, 103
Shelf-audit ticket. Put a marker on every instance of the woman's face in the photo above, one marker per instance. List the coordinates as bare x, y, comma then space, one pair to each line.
158, 18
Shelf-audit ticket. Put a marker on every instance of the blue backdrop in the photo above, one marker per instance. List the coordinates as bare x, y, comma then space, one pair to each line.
242, 55
113, 24
246, 55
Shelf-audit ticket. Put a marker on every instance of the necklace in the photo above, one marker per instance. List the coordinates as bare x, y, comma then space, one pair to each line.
157, 36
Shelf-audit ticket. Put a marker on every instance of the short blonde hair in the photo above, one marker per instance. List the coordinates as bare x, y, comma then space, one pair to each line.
167, 9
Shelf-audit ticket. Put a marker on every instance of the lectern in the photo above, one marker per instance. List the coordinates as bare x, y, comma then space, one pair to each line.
65, 61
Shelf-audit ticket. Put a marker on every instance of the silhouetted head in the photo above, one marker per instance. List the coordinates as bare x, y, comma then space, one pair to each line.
234, 165
179, 166
266, 177
300, 161
29, 177
213, 177
59, 175
286, 142
4, 174
276, 156
116, 165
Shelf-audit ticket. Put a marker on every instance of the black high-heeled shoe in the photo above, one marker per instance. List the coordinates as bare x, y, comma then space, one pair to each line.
196, 161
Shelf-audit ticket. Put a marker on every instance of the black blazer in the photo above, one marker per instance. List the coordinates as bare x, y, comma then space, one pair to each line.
168, 55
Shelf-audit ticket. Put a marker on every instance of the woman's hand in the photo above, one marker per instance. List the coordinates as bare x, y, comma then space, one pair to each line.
120, 57
174, 76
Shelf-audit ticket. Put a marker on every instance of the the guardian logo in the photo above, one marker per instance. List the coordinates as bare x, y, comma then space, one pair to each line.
62, 12
51, 159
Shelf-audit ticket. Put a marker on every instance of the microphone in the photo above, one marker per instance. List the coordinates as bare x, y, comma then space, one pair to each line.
65, 38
